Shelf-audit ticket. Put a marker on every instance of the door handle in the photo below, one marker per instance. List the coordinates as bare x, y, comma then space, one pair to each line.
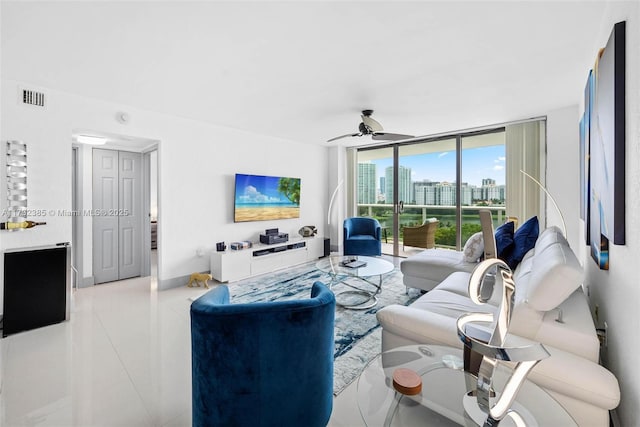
400, 206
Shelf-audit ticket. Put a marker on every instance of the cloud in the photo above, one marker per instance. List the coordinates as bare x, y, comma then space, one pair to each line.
502, 159
252, 195
250, 190
498, 167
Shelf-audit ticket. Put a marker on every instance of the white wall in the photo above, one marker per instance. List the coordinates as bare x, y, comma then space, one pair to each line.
196, 164
617, 291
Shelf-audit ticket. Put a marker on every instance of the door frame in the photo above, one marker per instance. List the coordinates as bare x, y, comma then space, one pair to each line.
76, 223
397, 208
82, 169
146, 207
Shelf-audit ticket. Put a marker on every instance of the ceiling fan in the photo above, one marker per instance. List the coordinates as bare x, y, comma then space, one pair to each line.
368, 126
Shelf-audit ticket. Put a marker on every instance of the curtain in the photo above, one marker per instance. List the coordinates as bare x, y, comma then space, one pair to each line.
351, 193
523, 144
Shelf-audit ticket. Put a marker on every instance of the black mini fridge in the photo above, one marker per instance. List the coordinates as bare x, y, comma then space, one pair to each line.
37, 287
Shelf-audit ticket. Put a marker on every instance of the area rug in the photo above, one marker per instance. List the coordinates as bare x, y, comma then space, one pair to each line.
357, 332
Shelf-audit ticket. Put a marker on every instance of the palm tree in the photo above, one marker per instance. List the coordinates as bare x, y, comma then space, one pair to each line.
290, 187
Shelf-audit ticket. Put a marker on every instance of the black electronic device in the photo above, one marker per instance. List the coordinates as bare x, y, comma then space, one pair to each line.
271, 232
262, 252
327, 246
296, 245
270, 239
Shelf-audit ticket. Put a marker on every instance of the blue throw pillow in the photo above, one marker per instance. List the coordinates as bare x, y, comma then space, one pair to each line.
504, 240
524, 240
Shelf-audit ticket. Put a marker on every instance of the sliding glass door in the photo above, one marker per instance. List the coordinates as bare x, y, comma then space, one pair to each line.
428, 193
374, 166
428, 178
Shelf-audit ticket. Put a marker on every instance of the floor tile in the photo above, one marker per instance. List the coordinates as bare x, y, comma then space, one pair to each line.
124, 359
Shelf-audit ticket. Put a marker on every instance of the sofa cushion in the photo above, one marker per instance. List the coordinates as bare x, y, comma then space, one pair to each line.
504, 239
457, 283
434, 265
450, 304
577, 377
555, 274
575, 334
473, 248
549, 236
524, 239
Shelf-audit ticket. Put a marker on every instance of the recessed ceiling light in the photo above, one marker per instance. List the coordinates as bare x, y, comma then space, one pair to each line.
91, 140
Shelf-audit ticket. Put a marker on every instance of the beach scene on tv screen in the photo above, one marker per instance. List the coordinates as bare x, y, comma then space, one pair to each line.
260, 198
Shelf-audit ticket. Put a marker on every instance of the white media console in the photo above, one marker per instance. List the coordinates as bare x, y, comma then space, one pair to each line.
230, 265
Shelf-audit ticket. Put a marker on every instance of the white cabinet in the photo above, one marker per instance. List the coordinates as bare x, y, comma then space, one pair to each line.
315, 246
229, 266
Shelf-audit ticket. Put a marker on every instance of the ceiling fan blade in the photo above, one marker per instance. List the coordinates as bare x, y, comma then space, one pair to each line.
387, 136
344, 136
371, 124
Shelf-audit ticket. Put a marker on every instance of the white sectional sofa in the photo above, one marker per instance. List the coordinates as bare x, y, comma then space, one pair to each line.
550, 307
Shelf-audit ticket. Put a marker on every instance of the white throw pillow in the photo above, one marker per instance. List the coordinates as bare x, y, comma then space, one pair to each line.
474, 248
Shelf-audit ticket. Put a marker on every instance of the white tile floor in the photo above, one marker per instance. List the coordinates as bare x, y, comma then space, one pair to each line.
123, 359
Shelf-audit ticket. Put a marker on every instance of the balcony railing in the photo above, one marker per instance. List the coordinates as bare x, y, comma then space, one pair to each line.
416, 214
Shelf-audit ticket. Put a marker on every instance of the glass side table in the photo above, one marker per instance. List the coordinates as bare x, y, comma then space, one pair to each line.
443, 400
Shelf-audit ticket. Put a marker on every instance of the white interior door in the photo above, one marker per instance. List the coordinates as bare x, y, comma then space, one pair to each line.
105, 227
117, 215
129, 214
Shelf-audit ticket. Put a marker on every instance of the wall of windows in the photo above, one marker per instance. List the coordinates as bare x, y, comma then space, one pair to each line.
446, 178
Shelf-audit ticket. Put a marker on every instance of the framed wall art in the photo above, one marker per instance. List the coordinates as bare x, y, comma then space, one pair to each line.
606, 148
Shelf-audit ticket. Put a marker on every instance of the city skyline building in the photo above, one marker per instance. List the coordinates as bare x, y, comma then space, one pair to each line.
405, 189
367, 183
424, 192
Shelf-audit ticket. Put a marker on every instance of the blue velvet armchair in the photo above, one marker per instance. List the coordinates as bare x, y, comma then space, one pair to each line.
362, 236
262, 364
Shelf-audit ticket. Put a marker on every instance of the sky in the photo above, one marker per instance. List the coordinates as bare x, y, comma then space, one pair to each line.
477, 164
258, 189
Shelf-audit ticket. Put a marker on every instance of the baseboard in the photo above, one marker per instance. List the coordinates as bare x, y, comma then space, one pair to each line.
175, 282
86, 282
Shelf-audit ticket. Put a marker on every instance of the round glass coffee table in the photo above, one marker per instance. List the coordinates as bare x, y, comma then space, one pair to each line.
444, 400
343, 268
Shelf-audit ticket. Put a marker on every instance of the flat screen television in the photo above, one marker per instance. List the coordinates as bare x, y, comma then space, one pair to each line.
262, 198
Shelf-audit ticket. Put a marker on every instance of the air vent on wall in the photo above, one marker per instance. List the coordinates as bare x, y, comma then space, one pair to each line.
32, 97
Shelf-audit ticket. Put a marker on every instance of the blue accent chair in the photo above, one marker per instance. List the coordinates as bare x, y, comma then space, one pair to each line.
362, 236
262, 364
